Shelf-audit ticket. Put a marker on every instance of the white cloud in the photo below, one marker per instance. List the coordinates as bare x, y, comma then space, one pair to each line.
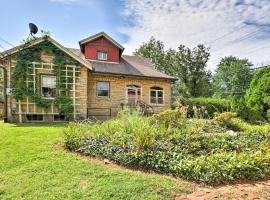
191, 22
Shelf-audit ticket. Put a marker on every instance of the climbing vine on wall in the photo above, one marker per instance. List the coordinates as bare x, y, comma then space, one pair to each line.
24, 67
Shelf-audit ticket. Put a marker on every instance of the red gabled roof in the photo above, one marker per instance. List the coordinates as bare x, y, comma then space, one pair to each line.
99, 35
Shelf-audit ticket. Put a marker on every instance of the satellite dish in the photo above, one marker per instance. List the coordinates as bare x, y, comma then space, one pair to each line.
33, 28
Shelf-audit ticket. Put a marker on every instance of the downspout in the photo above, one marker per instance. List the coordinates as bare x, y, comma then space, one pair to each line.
5, 92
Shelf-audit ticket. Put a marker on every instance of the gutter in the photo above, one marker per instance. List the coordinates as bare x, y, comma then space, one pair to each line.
5, 92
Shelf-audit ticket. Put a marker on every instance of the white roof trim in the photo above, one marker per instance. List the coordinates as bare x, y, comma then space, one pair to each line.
58, 45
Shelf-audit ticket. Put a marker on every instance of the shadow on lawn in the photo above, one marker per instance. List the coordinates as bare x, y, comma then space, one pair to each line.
17, 125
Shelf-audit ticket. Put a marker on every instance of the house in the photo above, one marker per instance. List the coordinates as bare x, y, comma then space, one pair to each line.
47, 82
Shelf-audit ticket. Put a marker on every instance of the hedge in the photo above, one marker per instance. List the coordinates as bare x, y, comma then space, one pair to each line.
212, 105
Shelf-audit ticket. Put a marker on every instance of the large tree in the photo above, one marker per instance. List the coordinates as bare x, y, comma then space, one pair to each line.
153, 49
232, 78
188, 65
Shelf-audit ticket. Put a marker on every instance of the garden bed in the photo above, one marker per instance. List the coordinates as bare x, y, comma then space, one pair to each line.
201, 150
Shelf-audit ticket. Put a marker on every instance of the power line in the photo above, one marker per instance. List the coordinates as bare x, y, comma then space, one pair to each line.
7, 42
235, 29
2, 47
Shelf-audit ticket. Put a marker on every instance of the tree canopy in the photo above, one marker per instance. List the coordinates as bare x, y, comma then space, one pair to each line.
232, 78
188, 65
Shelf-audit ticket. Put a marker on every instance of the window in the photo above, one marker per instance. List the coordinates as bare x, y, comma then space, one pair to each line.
156, 95
133, 94
48, 86
102, 55
103, 89
59, 118
34, 117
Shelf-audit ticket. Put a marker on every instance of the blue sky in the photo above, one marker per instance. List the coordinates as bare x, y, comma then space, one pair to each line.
68, 21
228, 27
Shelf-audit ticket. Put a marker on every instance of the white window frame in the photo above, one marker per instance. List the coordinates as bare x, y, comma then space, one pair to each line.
108, 82
136, 88
104, 55
41, 86
156, 97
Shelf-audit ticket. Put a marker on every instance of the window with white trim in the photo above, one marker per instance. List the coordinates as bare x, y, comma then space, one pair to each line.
156, 95
48, 86
103, 89
102, 55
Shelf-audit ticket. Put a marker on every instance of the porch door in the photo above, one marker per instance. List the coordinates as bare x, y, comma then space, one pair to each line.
133, 94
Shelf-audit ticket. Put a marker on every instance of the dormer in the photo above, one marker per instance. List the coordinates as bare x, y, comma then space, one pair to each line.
101, 47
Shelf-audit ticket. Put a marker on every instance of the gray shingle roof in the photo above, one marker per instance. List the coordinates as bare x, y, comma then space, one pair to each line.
128, 65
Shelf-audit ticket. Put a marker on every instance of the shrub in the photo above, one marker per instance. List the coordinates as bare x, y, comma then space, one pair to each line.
244, 111
75, 134
170, 118
225, 119
258, 94
212, 105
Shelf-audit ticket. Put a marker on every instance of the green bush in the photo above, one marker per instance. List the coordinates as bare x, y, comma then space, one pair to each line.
170, 118
169, 143
75, 134
225, 119
212, 105
244, 111
258, 94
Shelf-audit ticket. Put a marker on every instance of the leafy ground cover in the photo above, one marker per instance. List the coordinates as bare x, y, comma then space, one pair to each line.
30, 168
216, 151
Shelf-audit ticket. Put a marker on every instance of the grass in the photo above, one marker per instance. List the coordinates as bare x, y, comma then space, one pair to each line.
30, 168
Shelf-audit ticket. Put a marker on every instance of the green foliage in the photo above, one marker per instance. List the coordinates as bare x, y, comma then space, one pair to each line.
258, 95
24, 58
1, 84
232, 78
34, 167
243, 126
75, 135
211, 105
168, 143
188, 65
225, 119
170, 118
153, 49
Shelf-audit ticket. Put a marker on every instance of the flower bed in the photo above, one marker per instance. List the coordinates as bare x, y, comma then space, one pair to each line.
169, 143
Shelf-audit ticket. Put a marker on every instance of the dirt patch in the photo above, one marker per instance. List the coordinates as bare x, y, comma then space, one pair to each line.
240, 191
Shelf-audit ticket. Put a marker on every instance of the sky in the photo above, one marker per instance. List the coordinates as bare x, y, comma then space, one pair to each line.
228, 27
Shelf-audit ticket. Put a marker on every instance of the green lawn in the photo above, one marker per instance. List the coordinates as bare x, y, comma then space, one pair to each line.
31, 169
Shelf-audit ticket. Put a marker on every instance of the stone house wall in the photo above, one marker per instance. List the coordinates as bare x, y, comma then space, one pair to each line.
118, 88
86, 93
